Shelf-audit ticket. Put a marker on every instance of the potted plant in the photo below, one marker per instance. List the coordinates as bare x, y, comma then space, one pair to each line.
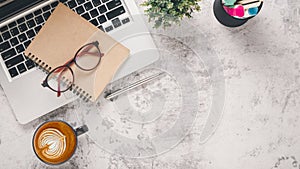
164, 13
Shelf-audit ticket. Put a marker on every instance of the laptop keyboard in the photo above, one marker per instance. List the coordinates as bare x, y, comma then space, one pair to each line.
107, 15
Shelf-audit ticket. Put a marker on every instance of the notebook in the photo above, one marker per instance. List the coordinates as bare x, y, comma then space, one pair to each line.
61, 37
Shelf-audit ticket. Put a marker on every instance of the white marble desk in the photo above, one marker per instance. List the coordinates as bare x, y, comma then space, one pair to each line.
259, 126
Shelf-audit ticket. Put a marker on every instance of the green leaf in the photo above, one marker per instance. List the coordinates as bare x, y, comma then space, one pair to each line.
167, 12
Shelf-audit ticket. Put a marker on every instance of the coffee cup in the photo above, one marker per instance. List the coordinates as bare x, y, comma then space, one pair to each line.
55, 142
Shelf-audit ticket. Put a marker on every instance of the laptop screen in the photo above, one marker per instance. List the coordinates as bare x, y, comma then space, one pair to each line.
9, 8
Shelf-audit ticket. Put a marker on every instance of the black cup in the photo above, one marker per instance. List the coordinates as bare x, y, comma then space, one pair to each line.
224, 18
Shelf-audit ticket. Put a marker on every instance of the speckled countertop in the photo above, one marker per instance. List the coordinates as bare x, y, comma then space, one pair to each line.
232, 95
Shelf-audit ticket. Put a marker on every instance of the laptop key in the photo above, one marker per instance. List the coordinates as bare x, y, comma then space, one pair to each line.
29, 64
12, 24
23, 27
21, 20
22, 37
30, 33
8, 54
20, 48
54, 4
14, 61
102, 9
21, 68
46, 15
14, 31
1, 39
37, 12
96, 2
108, 29
63, 1
14, 41
101, 28
4, 46
126, 20
37, 29
116, 12
46, 8
26, 44
104, 1
39, 20
80, 10
6, 35
116, 22
29, 16
88, 6
31, 23
94, 13
114, 3
102, 19
94, 22
80, 2
13, 72
72, 4
3, 29
86, 16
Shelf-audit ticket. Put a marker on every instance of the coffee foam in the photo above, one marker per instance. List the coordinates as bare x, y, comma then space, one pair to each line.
52, 143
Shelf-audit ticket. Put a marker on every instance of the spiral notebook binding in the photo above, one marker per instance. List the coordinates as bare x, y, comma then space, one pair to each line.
46, 68
41, 65
80, 93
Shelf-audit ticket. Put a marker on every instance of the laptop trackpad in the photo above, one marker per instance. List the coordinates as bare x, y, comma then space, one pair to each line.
29, 99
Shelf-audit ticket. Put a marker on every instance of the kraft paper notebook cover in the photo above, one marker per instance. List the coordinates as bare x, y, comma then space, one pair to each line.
60, 38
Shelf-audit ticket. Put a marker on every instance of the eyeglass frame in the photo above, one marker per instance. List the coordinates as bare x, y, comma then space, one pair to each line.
68, 64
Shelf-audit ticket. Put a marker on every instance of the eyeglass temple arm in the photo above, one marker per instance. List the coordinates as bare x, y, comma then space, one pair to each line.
58, 82
71, 61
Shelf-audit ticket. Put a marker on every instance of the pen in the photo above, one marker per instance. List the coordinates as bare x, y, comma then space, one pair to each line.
133, 85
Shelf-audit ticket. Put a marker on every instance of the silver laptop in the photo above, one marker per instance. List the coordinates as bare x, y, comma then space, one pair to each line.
20, 22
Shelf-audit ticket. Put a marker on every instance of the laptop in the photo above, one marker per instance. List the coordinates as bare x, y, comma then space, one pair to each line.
21, 20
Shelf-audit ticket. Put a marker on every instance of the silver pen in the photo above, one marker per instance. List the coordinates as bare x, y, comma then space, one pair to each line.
133, 85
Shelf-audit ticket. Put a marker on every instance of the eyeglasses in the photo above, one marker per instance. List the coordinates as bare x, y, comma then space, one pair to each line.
61, 79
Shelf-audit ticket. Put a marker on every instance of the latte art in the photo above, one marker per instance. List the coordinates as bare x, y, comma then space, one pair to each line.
52, 143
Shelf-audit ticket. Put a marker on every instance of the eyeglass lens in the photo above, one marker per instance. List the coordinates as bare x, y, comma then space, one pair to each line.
61, 79
88, 57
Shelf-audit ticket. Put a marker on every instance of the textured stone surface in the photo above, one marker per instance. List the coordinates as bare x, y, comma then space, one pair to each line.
259, 122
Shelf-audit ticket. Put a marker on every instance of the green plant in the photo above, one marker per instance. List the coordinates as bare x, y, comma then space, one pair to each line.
166, 12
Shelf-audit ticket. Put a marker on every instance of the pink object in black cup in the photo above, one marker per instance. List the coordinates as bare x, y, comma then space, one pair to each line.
237, 14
